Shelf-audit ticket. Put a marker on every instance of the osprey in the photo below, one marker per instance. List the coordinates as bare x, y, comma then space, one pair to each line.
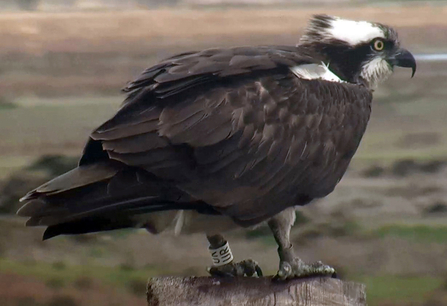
209, 140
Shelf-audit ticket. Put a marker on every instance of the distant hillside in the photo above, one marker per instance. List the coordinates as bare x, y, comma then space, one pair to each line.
66, 5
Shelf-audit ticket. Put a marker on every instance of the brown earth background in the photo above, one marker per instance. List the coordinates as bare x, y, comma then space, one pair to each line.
385, 225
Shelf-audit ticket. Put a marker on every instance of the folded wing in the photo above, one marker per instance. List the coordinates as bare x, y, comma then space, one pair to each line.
230, 131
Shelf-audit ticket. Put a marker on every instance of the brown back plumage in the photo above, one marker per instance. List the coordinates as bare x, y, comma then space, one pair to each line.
229, 131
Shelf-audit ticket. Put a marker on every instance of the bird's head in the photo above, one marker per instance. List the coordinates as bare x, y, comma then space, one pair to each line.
356, 51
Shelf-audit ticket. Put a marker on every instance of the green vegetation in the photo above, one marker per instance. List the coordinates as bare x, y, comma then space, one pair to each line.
54, 276
383, 289
416, 233
51, 128
137, 286
83, 283
62, 300
51, 99
27, 301
399, 290
7, 105
53, 164
56, 283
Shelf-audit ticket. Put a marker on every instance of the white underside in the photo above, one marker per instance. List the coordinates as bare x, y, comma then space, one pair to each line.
315, 72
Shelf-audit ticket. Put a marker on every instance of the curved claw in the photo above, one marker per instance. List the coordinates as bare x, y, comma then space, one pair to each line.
214, 272
250, 268
247, 268
284, 272
258, 271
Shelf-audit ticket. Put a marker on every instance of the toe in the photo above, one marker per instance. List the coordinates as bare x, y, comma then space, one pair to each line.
220, 272
284, 272
250, 268
244, 268
322, 269
298, 269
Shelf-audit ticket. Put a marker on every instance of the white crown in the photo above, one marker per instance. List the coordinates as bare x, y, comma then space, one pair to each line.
352, 32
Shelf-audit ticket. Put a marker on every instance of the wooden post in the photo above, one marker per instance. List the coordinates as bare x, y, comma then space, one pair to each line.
207, 291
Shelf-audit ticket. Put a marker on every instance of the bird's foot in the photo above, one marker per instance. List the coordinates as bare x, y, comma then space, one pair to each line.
236, 269
296, 268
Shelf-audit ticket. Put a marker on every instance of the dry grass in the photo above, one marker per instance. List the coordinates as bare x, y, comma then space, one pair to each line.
103, 31
47, 59
27, 290
50, 129
51, 54
58, 55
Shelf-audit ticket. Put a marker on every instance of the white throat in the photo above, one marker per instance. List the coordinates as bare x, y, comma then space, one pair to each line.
376, 71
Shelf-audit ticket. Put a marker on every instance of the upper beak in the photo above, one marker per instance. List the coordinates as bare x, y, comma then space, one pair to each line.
403, 58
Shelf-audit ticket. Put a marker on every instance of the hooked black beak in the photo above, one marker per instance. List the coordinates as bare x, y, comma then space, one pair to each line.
403, 58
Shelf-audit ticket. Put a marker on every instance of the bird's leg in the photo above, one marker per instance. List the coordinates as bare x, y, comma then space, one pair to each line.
290, 265
223, 264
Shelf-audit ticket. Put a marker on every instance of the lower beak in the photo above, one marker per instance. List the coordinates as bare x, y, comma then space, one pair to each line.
403, 58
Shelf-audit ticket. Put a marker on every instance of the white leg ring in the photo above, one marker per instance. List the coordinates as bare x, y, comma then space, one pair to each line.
222, 255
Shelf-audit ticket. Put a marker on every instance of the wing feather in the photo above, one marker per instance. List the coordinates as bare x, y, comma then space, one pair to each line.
236, 129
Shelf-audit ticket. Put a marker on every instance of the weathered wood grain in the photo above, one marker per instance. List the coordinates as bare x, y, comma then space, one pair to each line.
201, 291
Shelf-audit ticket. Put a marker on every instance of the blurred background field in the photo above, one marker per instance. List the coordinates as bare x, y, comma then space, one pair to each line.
62, 64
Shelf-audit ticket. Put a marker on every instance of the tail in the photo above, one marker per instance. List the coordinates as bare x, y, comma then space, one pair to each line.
99, 197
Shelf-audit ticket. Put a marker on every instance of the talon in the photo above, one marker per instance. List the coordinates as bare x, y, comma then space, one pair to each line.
218, 273
244, 268
259, 271
284, 270
248, 267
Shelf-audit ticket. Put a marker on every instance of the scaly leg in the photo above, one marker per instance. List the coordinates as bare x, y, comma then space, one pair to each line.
290, 265
224, 266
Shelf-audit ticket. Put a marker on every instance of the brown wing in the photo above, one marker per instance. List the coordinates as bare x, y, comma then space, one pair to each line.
231, 130
236, 129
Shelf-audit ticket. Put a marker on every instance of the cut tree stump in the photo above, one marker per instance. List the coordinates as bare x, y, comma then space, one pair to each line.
208, 291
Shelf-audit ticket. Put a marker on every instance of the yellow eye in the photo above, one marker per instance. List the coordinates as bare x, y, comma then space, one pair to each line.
378, 45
